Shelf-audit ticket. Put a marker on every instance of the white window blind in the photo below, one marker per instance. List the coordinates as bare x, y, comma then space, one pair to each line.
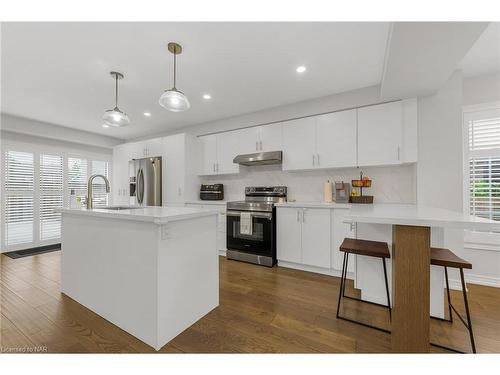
77, 177
484, 163
51, 195
100, 197
19, 191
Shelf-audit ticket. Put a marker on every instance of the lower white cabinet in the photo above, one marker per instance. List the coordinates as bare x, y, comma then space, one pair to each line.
303, 236
221, 222
341, 230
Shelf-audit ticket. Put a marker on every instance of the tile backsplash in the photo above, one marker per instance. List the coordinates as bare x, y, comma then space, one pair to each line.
394, 184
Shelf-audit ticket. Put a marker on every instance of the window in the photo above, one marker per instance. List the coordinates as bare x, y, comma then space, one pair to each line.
100, 198
36, 182
19, 197
483, 159
51, 195
77, 177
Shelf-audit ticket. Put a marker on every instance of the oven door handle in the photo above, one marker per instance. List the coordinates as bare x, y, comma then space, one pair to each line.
261, 215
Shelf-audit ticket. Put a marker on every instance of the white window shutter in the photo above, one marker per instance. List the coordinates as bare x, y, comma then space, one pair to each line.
100, 197
51, 196
19, 199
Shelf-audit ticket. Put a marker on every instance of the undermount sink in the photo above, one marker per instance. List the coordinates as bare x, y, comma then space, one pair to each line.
117, 208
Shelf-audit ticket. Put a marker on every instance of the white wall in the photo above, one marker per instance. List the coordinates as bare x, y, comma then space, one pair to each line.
481, 89
21, 125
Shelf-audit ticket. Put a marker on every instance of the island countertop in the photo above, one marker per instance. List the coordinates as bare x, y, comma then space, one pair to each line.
416, 215
157, 215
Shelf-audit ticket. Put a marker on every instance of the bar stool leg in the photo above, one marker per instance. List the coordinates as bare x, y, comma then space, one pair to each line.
387, 289
469, 323
448, 293
341, 285
345, 276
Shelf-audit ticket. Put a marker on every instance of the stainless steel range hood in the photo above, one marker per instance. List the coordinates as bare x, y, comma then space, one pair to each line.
259, 158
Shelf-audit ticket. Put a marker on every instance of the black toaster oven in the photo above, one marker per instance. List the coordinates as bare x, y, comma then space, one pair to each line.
214, 192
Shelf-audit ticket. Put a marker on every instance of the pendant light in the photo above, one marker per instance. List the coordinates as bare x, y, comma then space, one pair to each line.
115, 117
173, 99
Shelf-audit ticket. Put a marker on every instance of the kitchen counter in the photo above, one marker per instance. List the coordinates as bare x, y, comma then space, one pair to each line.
152, 271
157, 215
410, 214
314, 205
208, 203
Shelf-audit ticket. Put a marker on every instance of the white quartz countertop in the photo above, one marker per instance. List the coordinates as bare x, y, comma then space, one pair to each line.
410, 214
208, 203
157, 215
313, 205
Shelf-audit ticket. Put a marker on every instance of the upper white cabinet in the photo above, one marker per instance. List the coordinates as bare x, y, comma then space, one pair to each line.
336, 140
270, 137
217, 153
299, 144
380, 134
325, 141
208, 154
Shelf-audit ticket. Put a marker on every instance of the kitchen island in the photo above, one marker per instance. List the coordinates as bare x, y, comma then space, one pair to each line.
414, 229
151, 271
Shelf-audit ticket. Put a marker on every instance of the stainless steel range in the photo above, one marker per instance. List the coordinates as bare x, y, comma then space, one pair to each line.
251, 225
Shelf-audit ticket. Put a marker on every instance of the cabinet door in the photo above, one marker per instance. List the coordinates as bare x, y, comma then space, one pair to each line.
228, 146
270, 137
341, 230
208, 154
154, 147
380, 134
288, 234
248, 140
120, 183
299, 144
316, 249
336, 140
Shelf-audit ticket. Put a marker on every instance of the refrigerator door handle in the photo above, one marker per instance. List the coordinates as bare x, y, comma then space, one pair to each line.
156, 182
140, 186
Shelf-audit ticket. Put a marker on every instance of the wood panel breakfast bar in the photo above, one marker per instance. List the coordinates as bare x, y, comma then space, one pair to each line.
411, 243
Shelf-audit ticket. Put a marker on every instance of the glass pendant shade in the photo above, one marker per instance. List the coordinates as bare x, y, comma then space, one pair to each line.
115, 117
174, 101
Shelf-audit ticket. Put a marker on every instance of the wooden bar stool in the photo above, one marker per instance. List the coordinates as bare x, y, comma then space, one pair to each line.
446, 258
374, 249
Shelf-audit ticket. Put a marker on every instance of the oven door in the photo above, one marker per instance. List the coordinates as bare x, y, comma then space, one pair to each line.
259, 242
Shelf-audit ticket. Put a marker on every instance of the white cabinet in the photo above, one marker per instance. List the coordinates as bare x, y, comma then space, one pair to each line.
303, 236
289, 234
380, 129
325, 141
270, 137
208, 154
121, 183
299, 144
336, 145
221, 222
217, 153
316, 237
341, 230
144, 149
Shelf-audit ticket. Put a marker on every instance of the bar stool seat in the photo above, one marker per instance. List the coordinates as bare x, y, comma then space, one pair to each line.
446, 258
374, 249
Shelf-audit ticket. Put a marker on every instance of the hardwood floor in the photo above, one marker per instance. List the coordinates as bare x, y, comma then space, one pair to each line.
261, 310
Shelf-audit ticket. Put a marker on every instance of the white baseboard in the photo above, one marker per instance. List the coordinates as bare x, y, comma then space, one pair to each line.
222, 252
455, 284
323, 271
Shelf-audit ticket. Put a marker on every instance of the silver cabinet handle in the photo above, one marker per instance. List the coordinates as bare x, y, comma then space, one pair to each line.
303, 215
297, 215
260, 145
399, 153
256, 146
313, 160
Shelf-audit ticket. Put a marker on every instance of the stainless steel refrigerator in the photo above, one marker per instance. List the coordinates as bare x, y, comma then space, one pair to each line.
146, 180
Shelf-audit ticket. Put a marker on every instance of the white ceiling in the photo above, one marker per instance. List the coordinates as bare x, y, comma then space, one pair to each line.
59, 72
484, 56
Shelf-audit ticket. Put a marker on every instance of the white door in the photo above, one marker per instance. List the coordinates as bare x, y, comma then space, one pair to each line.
336, 140
288, 234
380, 134
299, 147
270, 137
316, 237
208, 154
173, 168
341, 230
228, 146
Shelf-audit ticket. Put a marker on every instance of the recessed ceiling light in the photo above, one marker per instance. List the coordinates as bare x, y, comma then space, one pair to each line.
207, 96
105, 125
147, 114
301, 69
